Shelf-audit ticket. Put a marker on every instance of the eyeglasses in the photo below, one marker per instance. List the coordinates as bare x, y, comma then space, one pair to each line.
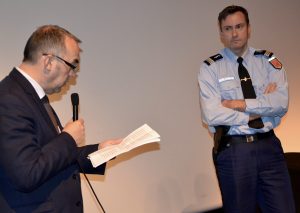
72, 66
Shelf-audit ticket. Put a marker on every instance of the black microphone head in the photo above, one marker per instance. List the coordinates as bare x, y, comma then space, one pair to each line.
75, 99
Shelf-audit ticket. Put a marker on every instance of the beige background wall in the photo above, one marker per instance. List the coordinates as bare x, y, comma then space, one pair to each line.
140, 65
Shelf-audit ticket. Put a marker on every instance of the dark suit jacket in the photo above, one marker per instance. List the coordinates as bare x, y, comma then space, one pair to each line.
39, 169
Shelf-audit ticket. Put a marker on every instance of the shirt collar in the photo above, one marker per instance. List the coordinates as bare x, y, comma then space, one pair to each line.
39, 90
234, 57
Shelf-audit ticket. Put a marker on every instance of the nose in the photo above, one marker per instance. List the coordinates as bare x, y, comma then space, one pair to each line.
72, 73
234, 32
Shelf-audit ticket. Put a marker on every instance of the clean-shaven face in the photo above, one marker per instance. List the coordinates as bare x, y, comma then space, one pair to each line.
235, 32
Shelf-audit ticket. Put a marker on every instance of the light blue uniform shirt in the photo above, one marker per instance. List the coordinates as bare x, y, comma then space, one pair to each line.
220, 81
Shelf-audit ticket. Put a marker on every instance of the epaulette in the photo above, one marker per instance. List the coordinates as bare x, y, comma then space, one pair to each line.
265, 53
213, 59
272, 59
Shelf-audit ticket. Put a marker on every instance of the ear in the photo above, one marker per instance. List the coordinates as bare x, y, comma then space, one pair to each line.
221, 33
249, 31
47, 64
221, 36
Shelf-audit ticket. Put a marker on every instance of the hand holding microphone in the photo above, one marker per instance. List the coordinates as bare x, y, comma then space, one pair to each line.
76, 127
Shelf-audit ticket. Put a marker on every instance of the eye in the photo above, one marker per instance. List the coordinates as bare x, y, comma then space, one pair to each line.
239, 26
227, 28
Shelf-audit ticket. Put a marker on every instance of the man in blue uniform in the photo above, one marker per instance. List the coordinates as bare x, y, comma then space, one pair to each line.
243, 96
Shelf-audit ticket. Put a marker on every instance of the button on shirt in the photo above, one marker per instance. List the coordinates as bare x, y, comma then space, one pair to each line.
220, 81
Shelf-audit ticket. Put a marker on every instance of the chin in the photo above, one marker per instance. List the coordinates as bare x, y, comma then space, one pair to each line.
57, 90
52, 91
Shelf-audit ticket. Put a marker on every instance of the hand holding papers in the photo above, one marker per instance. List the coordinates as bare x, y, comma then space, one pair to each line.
138, 137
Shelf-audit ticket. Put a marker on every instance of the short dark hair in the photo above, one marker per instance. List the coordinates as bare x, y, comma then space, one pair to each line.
47, 38
231, 10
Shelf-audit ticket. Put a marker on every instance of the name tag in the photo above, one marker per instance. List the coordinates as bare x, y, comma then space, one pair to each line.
226, 79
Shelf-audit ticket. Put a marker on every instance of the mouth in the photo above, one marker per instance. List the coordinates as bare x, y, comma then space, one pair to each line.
235, 41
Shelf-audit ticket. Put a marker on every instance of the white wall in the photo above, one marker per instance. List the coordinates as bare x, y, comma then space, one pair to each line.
140, 65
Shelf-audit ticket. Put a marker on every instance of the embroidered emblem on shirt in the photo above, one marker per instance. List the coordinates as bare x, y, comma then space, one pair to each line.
272, 59
275, 63
213, 59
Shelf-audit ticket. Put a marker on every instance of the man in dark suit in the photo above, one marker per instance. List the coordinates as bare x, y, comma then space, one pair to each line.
40, 160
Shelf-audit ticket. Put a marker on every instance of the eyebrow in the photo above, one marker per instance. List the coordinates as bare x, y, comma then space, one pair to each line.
242, 23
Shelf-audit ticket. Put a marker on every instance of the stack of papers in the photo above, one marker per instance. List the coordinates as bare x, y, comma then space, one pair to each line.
138, 137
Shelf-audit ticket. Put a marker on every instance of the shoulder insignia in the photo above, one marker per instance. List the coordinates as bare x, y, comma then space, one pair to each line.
275, 63
272, 59
265, 53
213, 59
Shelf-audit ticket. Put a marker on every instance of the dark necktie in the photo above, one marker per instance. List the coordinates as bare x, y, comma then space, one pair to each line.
248, 91
50, 112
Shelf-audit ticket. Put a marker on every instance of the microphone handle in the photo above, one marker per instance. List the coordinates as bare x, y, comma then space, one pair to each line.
75, 112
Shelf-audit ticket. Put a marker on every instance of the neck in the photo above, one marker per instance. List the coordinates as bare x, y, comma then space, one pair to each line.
32, 71
239, 52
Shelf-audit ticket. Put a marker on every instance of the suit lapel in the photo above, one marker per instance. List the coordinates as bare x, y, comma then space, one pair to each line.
32, 95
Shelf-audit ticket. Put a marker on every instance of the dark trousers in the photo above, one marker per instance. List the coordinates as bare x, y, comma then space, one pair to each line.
252, 174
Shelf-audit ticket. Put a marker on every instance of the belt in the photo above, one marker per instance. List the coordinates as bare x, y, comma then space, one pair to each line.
247, 138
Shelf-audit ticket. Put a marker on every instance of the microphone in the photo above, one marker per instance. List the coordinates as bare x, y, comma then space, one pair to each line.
75, 103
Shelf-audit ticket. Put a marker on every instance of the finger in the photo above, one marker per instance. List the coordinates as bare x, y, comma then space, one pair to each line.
268, 89
117, 141
272, 88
